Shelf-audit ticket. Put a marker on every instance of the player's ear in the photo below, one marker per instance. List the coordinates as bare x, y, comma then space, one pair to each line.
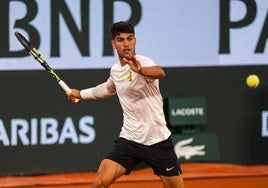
112, 43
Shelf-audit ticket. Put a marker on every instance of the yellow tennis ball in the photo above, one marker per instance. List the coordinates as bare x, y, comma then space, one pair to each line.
253, 81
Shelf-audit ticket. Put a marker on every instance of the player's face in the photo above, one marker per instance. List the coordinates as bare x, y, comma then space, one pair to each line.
124, 43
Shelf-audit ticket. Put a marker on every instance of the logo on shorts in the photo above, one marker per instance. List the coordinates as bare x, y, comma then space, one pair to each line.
168, 169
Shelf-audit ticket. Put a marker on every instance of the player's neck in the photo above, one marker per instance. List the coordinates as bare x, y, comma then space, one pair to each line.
122, 63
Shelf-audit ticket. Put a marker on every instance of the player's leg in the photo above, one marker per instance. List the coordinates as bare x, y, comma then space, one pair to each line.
172, 181
164, 161
119, 161
107, 173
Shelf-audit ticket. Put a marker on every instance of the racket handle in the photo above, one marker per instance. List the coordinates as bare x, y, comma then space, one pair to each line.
66, 88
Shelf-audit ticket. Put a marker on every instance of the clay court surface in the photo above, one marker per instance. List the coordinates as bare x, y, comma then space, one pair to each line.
196, 175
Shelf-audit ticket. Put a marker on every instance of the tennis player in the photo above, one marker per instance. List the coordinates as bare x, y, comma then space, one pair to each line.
144, 135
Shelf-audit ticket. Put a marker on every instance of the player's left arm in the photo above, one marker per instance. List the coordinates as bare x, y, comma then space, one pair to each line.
155, 71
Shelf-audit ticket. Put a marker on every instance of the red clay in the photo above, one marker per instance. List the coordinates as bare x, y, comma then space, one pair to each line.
196, 175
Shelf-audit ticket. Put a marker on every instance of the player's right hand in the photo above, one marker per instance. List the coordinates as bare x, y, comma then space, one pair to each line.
74, 96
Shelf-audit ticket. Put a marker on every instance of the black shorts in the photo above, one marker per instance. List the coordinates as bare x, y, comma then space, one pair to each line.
160, 156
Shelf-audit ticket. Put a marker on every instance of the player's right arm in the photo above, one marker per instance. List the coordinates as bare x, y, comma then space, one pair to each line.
100, 91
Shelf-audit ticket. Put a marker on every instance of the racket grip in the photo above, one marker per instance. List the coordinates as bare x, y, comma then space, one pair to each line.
66, 88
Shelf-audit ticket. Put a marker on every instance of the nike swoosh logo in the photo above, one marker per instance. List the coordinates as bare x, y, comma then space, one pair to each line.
168, 169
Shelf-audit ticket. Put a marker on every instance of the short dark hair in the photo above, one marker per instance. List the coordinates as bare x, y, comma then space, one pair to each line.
121, 27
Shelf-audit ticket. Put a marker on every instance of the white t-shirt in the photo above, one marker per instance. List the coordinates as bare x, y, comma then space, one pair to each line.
144, 121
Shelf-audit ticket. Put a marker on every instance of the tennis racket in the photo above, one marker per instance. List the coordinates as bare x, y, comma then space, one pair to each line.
38, 57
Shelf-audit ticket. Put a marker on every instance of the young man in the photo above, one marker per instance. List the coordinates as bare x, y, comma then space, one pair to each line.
144, 135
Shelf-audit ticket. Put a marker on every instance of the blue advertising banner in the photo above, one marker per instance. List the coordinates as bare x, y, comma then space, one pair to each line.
74, 34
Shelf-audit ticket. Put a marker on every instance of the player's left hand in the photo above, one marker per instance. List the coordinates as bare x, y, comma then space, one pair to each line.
133, 63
